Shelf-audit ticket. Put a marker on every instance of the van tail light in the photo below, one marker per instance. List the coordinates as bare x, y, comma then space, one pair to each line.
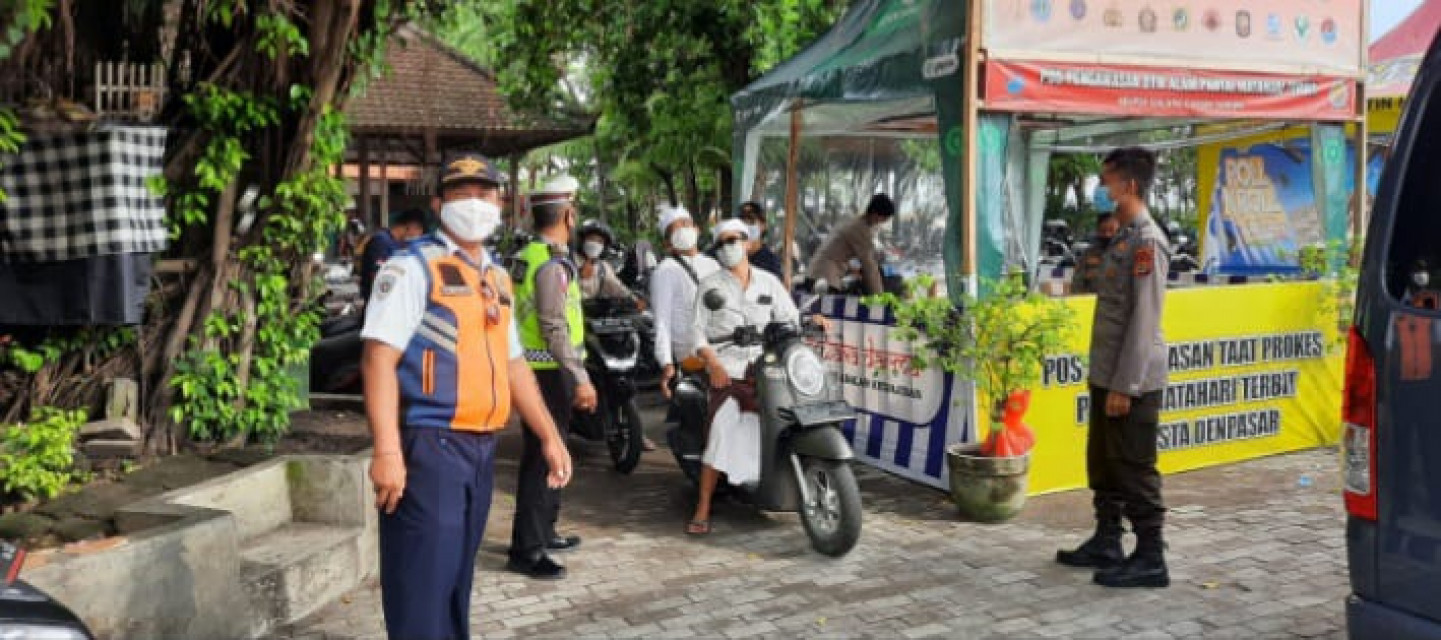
1358, 414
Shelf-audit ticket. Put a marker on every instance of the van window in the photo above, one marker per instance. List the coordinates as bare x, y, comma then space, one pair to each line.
1416, 237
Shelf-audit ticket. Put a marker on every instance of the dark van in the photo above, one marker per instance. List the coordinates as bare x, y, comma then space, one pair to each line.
1392, 402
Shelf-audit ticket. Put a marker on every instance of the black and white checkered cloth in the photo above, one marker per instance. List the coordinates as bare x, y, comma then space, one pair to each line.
81, 195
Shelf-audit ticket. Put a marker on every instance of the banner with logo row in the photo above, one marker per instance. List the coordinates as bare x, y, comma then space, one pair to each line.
1293, 36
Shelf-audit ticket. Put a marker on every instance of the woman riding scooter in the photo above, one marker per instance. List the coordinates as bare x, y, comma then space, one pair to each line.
756, 299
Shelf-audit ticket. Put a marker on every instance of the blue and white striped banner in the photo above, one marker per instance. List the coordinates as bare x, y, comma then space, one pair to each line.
906, 417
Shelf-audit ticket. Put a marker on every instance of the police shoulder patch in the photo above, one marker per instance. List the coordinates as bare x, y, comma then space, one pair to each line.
1145, 262
384, 285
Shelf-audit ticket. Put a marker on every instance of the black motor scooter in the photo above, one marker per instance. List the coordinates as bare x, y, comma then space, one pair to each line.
805, 461
612, 351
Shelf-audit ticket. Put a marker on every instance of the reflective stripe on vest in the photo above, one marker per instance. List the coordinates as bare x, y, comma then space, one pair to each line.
454, 372
533, 257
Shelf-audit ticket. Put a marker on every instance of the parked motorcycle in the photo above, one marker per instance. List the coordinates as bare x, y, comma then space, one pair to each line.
612, 351
1056, 244
805, 461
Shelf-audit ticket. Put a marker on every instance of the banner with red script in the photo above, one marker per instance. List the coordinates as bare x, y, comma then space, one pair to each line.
1046, 87
1291, 36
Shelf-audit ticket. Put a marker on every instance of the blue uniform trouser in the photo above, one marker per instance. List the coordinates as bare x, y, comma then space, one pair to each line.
428, 546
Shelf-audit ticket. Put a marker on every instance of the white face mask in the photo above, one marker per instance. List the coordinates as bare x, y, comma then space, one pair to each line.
755, 232
684, 239
592, 249
731, 254
471, 219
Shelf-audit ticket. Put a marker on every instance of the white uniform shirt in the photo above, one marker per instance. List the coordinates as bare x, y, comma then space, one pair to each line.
764, 301
397, 304
672, 296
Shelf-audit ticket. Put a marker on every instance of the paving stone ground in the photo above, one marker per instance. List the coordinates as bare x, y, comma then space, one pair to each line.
1256, 551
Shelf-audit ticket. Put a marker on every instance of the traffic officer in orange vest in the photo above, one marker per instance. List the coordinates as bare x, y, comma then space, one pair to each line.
443, 366
552, 335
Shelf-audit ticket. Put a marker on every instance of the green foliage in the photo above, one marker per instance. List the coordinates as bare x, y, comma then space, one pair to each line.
278, 33
37, 458
1335, 265
298, 217
656, 75
21, 18
999, 341
101, 341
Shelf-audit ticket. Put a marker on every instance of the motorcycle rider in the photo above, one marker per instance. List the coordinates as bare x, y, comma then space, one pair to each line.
597, 278
405, 226
754, 297
673, 290
1088, 265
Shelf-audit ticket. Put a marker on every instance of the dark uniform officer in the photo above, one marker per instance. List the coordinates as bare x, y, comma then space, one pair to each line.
443, 369
1127, 378
1090, 265
552, 332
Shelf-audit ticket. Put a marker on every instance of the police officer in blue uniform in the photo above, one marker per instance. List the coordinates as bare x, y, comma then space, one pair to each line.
443, 367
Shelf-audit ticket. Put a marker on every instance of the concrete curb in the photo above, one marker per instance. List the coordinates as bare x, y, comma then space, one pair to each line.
232, 557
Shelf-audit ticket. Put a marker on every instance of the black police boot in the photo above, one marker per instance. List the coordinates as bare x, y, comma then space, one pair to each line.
1146, 567
1102, 550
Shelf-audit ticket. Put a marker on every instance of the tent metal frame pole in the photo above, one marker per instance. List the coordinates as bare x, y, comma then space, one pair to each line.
970, 117
792, 189
1362, 132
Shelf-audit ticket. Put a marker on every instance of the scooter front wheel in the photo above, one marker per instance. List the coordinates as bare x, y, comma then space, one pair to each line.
832, 513
626, 437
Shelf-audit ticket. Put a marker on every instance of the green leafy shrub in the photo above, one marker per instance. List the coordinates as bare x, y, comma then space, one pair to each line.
37, 458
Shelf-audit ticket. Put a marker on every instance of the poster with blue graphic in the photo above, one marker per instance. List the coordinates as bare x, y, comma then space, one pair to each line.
1264, 208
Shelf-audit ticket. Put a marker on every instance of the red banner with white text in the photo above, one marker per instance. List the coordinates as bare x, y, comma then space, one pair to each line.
1060, 87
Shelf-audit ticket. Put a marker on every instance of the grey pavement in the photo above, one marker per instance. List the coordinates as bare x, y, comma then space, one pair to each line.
1257, 550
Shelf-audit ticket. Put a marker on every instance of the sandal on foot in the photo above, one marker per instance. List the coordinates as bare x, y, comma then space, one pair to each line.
697, 527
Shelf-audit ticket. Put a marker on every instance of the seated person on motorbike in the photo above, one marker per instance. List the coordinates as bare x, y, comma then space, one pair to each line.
754, 298
597, 278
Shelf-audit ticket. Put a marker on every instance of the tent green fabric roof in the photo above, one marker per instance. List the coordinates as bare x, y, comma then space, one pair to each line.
881, 50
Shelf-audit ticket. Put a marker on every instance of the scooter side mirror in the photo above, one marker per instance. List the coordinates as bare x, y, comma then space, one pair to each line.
714, 300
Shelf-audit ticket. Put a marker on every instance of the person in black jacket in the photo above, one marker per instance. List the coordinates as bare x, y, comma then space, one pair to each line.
754, 216
405, 226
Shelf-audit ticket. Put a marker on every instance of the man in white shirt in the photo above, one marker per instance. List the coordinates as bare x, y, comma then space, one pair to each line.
754, 298
673, 288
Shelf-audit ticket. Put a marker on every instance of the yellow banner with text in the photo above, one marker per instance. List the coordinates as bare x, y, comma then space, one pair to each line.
1255, 370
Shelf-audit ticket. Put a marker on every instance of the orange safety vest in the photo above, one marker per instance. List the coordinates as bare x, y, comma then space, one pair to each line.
454, 373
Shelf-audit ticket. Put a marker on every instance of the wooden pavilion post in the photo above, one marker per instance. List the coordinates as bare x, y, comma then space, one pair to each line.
362, 201
792, 191
970, 118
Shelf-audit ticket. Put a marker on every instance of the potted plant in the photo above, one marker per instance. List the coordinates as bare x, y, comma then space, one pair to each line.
999, 341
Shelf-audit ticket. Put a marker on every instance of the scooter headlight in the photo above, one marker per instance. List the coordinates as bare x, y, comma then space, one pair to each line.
807, 373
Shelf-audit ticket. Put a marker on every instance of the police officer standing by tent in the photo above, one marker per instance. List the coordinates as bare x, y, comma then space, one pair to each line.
1127, 378
443, 367
552, 332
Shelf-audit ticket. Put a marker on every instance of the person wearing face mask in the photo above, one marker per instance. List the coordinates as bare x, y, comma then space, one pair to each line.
1128, 373
1089, 265
597, 278
753, 298
672, 291
443, 368
761, 256
856, 239
552, 332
